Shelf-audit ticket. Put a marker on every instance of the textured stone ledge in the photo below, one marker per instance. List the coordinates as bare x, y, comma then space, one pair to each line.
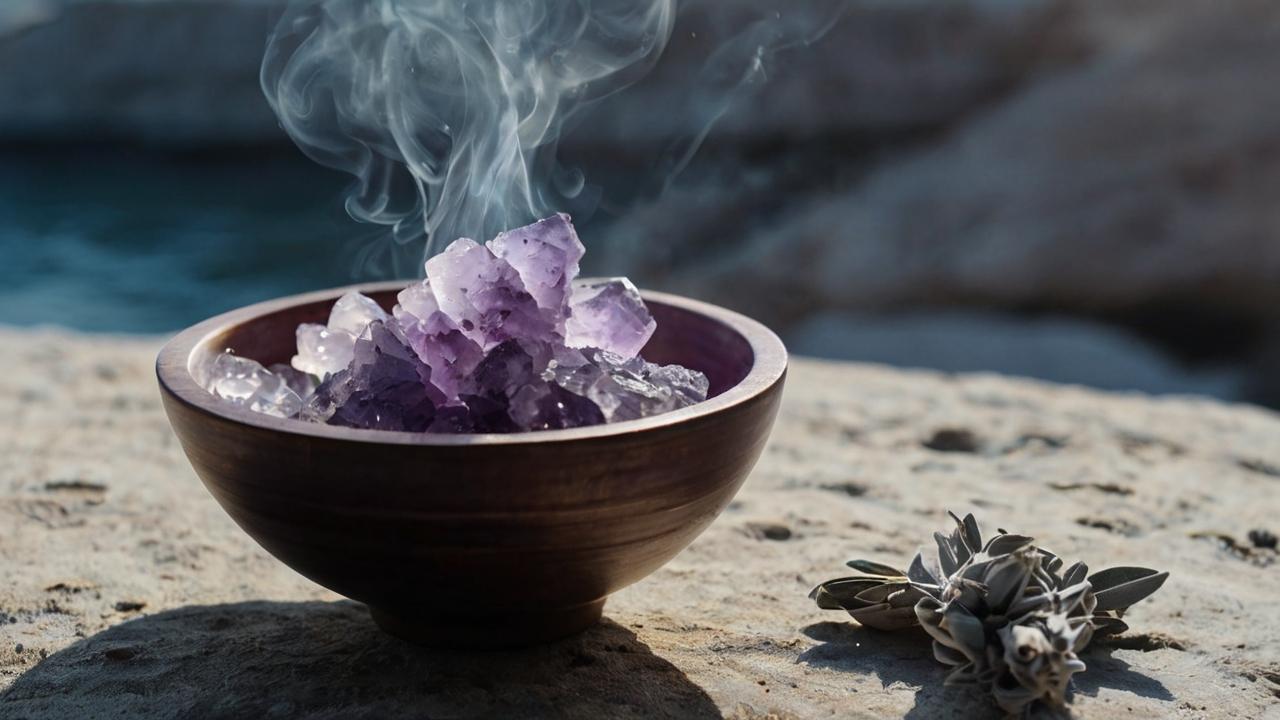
124, 588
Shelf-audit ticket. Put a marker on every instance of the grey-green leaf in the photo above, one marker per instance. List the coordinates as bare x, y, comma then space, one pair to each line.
948, 655
1006, 582
1072, 595
1106, 625
824, 599
884, 617
967, 631
1005, 544
1075, 574
878, 594
1053, 565
844, 590
946, 559
972, 534
919, 573
874, 568
1104, 579
1124, 586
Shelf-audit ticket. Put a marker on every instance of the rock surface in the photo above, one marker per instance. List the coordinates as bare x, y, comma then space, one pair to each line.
181, 72
1058, 349
124, 589
1125, 179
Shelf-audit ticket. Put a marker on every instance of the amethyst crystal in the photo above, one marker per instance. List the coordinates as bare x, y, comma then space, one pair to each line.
436, 338
485, 297
386, 387
518, 380
546, 255
496, 339
610, 315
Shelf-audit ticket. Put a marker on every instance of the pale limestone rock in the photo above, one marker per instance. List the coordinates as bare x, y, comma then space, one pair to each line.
97, 494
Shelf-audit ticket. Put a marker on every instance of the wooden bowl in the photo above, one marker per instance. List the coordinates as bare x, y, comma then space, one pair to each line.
479, 540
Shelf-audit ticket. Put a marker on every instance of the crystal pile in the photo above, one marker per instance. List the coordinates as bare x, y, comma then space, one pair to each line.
497, 338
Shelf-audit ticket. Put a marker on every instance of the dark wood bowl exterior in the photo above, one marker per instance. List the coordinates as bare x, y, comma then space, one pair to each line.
479, 540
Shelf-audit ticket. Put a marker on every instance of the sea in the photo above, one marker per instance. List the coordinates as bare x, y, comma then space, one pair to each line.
123, 241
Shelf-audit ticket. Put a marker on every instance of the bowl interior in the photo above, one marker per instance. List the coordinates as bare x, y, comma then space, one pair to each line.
683, 337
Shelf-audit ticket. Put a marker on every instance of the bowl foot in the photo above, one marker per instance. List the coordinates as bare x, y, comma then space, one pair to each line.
497, 629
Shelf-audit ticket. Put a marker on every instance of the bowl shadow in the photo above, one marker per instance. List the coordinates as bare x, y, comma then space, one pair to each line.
328, 660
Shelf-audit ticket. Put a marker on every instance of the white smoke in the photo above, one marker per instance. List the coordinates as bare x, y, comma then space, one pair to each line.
448, 112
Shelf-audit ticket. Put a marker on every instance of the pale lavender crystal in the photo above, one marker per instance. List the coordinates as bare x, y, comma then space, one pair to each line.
386, 387
609, 315
485, 297
546, 255
436, 339
246, 382
326, 349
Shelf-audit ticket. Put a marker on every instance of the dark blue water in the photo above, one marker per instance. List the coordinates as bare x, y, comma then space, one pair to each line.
121, 241
117, 240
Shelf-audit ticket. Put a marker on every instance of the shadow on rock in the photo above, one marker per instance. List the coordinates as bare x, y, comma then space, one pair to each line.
906, 659
328, 660
896, 659
1107, 671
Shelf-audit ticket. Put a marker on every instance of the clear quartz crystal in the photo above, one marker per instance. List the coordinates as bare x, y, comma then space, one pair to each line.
353, 312
326, 349
246, 382
301, 383
628, 388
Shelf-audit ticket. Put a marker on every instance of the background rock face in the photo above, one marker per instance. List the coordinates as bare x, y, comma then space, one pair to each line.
125, 589
186, 71
1112, 162
1135, 176
176, 73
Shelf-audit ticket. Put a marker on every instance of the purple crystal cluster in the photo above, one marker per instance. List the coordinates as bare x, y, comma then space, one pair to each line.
497, 338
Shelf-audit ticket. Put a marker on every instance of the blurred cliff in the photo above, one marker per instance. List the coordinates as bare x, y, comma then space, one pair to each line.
1084, 191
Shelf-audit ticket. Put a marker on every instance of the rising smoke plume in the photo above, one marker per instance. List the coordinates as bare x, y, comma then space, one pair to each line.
448, 112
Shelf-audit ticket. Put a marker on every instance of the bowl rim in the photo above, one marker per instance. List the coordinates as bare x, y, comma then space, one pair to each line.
173, 371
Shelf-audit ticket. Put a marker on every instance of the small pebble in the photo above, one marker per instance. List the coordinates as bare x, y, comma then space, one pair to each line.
18, 648
956, 440
768, 531
1263, 539
120, 653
